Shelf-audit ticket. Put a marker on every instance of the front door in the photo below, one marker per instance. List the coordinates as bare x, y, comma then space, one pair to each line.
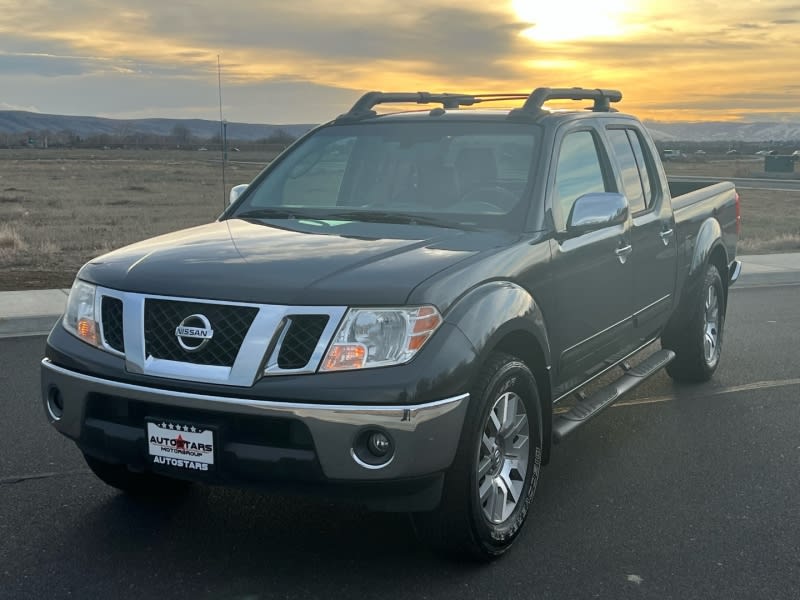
592, 275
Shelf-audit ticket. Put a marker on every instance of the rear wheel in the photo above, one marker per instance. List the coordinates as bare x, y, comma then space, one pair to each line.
698, 344
490, 486
136, 484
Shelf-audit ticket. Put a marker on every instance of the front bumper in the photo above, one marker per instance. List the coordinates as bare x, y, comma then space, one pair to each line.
106, 419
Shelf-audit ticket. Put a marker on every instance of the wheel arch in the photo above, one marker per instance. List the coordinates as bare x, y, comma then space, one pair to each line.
501, 316
525, 346
709, 248
719, 258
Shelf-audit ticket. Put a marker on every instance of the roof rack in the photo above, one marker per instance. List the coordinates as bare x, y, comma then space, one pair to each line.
363, 108
602, 99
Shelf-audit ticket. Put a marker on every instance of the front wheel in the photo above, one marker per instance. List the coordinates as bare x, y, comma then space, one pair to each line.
490, 486
698, 344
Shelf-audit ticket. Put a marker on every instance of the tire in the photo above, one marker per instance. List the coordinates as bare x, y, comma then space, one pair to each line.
135, 484
698, 342
477, 517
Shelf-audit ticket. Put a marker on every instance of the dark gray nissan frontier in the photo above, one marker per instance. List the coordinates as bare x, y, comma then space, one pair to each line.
391, 310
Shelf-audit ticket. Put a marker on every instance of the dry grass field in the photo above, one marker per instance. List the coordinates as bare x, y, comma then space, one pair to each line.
770, 218
60, 208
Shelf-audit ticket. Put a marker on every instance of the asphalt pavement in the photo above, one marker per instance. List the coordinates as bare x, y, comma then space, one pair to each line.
675, 492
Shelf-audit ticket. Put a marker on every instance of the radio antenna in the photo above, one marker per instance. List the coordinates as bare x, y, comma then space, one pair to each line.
223, 134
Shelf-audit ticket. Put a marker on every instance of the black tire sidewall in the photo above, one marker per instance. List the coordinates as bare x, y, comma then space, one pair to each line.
509, 375
685, 336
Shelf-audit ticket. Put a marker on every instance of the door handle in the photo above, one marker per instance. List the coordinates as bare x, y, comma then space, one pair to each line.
665, 235
622, 253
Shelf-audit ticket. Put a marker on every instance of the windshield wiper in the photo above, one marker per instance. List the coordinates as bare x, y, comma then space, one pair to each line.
368, 216
279, 212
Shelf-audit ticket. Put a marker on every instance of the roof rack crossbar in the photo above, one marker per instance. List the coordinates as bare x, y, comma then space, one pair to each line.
364, 105
602, 98
363, 108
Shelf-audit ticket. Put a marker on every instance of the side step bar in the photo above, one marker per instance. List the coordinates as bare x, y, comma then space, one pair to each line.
585, 409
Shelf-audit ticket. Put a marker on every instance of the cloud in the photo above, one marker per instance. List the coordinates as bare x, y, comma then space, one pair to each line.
307, 61
119, 95
46, 66
26, 108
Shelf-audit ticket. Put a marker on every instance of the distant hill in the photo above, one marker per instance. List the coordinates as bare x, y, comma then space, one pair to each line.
724, 132
20, 122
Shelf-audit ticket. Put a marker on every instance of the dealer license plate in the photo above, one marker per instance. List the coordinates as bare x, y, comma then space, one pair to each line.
180, 445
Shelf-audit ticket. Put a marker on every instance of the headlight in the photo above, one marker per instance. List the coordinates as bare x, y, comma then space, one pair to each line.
79, 319
379, 337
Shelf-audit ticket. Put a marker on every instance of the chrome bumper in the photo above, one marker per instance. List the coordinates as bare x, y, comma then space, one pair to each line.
425, 435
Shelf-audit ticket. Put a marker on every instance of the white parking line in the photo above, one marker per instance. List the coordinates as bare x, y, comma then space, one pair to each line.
746, 387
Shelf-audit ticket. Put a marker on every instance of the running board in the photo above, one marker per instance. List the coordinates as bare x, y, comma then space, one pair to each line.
584, 410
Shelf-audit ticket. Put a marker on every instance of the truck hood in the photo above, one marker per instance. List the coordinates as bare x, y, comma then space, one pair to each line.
290, 262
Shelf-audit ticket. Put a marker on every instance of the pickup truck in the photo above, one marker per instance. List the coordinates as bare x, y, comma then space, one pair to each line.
391, 310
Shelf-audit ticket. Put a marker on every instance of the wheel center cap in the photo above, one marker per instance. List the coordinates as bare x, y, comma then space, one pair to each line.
497, 459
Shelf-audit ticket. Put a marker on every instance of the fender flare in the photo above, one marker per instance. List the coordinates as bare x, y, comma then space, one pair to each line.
707, 242
708, 238
491, 311
499, 310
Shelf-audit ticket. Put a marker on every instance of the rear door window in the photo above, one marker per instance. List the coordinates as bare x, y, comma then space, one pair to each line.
629, 169
645, 167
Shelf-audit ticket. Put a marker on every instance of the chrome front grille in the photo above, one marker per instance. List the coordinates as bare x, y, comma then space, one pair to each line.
229, 323
113, 335
301, 338
231, 350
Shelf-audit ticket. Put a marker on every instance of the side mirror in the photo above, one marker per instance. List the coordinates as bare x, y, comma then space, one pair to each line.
236, 191
597, 211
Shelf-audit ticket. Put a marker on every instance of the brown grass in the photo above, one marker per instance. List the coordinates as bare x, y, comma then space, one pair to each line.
11, 241
770, 222
60, 208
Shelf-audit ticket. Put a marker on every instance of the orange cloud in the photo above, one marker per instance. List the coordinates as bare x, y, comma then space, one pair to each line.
704, 60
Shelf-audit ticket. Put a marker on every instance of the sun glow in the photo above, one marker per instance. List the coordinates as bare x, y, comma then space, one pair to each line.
554, 21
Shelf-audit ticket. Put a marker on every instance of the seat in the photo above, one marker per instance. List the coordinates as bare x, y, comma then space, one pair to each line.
475, 168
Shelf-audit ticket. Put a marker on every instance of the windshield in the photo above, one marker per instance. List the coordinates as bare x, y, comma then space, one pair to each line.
444, 173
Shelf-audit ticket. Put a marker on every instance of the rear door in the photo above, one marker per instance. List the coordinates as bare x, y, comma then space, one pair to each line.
654, 254
593, 283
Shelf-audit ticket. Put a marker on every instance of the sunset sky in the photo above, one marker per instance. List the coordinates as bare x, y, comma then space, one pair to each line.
308, 60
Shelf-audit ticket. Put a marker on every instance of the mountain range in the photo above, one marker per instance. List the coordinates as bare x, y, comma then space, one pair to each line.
724, 131
21, 122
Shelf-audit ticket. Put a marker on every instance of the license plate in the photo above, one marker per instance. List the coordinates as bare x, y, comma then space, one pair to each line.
180, 445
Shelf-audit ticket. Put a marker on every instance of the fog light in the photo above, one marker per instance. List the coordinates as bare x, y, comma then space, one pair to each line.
55, 403
373, 448
379, 444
